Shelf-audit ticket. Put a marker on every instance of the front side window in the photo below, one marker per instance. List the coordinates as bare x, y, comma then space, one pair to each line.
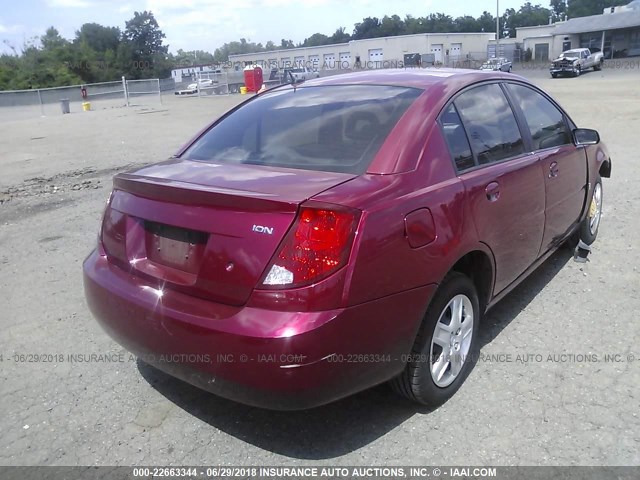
490, 124
546, 123
328, 128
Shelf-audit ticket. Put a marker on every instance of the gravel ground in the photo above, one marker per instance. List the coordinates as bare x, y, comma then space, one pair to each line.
544, 393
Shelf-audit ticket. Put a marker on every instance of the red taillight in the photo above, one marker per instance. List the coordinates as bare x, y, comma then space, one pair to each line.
318, 244
114, 225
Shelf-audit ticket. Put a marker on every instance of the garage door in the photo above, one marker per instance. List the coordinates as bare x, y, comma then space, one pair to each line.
345, 59
314, 62
456, 51
541, 52
375, 55
298, 61
285, 62
329, 61
437, 51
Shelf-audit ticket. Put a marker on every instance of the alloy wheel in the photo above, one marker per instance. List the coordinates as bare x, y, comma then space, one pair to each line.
451, 340
595, 209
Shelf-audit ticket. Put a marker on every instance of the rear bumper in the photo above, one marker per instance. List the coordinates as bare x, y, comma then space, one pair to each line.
265, 358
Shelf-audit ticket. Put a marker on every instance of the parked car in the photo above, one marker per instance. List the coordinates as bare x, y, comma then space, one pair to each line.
203, 82
576, 61
299, 74
497, 64
323, 238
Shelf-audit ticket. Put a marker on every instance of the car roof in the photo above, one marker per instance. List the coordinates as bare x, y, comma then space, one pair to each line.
422, 78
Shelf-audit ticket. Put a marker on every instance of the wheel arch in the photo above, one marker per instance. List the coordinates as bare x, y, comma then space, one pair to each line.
479, 267
605, 169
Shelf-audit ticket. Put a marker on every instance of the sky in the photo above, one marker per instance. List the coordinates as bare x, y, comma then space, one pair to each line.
207, 24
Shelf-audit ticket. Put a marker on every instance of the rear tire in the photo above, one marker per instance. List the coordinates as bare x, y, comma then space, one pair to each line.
444, 351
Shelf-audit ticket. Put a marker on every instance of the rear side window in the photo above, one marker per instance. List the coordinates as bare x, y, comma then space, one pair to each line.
456, 138
327, 128
546, 123
490, 124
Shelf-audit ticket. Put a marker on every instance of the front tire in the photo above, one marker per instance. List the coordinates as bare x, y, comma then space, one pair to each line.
444, 351
589, 226
587, 231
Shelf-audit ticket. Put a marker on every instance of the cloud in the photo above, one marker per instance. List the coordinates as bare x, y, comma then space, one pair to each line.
207, 24
69, 3
220, 7
10, 28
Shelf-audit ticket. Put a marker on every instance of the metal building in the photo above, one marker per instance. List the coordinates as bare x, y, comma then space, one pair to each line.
616, 32
449, 49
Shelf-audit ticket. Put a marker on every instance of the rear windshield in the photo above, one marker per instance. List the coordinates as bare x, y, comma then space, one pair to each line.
328, 128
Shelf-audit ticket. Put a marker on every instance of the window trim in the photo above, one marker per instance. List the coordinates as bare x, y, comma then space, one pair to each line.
466, 135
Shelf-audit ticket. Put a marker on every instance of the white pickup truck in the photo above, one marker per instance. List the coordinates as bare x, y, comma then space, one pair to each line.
299, 74
576, 61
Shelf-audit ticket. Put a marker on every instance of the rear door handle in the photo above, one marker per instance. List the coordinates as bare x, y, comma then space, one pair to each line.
553, 170
492, 191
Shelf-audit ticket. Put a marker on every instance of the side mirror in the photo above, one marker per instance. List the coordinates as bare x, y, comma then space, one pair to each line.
585, 136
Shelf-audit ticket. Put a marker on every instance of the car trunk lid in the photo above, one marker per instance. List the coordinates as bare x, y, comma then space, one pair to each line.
206, 229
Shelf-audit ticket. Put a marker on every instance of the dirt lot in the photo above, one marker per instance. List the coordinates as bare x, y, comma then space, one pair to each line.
544, 395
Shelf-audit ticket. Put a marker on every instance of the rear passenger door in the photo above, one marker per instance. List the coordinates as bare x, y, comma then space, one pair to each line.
564, 165
504, 183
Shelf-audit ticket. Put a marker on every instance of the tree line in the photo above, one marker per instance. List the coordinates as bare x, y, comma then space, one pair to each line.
98, 53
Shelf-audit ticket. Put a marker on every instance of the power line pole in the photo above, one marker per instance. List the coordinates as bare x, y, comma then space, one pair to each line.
497, 27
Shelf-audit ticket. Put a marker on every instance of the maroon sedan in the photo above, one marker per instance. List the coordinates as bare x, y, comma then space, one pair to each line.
323, 238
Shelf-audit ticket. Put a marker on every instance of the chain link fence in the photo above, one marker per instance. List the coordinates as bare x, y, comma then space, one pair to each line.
137, 90
471, 60
18, 104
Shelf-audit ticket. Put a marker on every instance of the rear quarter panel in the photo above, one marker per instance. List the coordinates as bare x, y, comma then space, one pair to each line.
383, 261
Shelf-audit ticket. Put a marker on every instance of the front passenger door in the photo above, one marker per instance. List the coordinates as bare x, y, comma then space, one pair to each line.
564, 165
